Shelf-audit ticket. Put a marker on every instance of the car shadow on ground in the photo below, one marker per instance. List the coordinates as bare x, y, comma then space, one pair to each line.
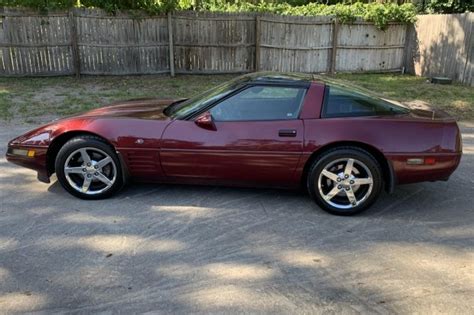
200, 249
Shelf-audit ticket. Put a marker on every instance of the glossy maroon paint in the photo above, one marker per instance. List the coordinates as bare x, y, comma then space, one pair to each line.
239, 151
155, 148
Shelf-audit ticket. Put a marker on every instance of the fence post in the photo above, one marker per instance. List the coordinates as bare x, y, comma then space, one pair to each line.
74, 44
469, 40
8, 40
335, 31
170, 44
257, 43
407, 50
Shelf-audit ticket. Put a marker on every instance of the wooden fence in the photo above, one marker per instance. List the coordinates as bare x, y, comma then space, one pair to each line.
442, 45
84, 41
319, 44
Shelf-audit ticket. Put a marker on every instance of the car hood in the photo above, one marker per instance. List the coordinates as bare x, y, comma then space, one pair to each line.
150, 108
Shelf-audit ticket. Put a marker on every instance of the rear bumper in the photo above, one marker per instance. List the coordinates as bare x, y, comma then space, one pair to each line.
37, 162
445, 164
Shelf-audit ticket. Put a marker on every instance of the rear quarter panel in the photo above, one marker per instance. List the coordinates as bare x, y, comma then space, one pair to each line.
397, 138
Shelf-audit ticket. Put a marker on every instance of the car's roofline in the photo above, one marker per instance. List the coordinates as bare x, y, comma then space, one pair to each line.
279, 78
302, 84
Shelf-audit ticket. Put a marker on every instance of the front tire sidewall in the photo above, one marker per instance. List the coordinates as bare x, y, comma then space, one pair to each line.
362, 156
78, 143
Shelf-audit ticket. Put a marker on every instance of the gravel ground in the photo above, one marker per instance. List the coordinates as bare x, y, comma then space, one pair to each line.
189, 249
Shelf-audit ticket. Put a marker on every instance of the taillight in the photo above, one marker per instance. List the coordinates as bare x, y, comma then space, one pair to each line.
430, 161
421, 161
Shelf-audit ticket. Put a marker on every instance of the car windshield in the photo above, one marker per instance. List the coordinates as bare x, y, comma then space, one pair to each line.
194, 104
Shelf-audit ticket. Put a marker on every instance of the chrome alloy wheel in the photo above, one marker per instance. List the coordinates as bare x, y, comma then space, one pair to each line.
90, 171
345, 183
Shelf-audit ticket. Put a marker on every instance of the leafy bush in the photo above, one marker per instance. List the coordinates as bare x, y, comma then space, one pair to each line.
42, 5
150, 6
378, 13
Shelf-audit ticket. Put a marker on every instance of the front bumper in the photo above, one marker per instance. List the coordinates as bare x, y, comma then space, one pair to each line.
37, 161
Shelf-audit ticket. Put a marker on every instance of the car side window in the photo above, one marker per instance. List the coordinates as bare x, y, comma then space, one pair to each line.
261, 103
340, 102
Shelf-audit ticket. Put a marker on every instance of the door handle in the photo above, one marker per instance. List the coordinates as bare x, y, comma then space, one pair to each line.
287, 133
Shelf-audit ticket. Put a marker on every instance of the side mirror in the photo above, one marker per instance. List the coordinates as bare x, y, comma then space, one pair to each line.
205, 121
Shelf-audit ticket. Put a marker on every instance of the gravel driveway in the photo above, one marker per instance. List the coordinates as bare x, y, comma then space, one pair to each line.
189, 249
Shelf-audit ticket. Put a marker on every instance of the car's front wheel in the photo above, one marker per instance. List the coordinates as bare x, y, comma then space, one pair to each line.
88, 168
345, 181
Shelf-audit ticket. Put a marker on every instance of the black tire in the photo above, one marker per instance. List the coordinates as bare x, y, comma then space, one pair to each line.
91, 142
337, 154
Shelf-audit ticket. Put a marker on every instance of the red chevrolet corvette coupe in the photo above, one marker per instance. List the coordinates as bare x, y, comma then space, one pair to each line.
264, 129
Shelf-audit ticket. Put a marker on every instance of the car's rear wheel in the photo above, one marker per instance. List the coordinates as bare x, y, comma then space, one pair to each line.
88, 168
345, 181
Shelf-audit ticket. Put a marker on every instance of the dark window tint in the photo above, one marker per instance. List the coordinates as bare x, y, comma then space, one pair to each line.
261, 103
340, 102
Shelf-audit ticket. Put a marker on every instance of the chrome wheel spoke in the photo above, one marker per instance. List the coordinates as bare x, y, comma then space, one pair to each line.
363, 181
85, 156
104, 162
74, 170
350, 195
104, 179
350, 184
349, 166
89, 163
330, 175
86, 184
332, 193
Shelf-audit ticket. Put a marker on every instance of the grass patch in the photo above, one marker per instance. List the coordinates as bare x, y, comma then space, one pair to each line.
40, 99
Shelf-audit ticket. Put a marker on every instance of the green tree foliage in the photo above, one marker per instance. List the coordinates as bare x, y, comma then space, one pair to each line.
150, 6
447, 6
378, 13
40, 4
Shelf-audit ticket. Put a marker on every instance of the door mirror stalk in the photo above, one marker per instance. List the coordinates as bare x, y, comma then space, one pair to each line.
205, 121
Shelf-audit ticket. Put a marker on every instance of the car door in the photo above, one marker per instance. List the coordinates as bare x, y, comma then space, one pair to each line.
254, 136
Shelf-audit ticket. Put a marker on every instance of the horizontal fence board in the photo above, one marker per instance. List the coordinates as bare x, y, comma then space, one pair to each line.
191, 15
285, 47
288, 21
370, 47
